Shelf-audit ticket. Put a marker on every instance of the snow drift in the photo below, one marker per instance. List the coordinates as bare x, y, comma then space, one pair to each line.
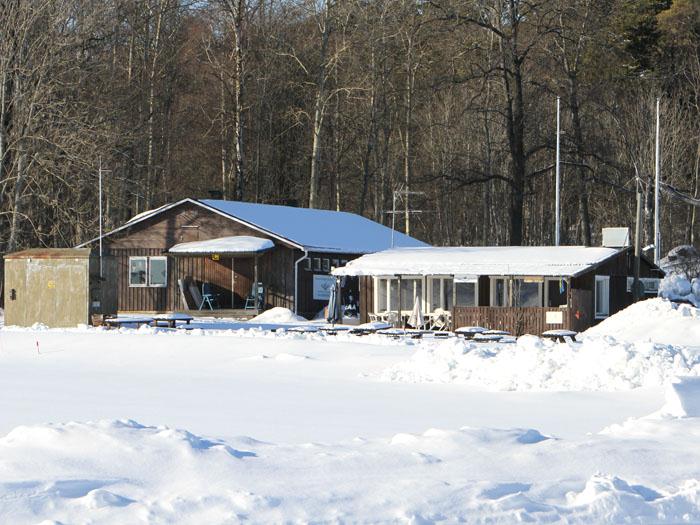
125, 472
278, 315
537, 364
658, 320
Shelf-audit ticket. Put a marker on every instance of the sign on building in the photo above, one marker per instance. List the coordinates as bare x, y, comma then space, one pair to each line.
322, 287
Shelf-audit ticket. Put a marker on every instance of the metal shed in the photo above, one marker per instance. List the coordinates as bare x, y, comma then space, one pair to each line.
58, 287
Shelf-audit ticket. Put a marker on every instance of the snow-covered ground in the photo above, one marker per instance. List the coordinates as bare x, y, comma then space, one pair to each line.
223, 425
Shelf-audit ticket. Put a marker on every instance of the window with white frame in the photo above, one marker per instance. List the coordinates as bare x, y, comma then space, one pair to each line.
440, 293
158, 272
326, 265
317, 264
307, 264
466, 292
387, 293
138, 271
148, 271
602, 296
410, 289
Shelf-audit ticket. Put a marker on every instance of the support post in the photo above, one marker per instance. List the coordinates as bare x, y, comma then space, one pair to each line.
557, 203
255, 284
399, 305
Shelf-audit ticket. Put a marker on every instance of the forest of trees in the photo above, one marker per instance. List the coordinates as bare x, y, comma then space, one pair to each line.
337, 103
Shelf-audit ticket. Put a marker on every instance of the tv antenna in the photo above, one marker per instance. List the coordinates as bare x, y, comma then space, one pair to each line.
400, 194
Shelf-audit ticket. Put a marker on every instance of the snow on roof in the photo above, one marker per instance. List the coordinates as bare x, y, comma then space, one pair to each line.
316, 230
235, 244
554, 261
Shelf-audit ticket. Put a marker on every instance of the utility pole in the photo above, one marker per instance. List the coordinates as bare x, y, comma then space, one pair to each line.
657, 232
99, 177
557, 210
637, 239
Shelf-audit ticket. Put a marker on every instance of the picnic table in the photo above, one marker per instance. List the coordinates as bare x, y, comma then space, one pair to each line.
335, 330
171, 319
560, 335
468, 332
490, 336
118, 322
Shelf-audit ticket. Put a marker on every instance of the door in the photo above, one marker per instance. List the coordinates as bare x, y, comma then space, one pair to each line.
243, 270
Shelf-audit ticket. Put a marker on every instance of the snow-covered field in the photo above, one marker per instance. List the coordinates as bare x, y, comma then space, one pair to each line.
225, 425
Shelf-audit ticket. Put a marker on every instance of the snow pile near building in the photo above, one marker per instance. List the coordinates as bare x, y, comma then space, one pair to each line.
536, 364
278, 315
677, 287
657, 320
115, 472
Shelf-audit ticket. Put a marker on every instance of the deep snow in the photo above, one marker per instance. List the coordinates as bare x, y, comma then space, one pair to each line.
298, 427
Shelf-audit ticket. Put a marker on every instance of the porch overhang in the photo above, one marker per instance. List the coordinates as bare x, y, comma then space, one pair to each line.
235, 246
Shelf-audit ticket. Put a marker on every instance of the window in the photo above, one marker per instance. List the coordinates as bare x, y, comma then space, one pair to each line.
148, 271
317, 264
466, 293
381, 295
410, 289
602, 296
499, 292
335, 263
326, 265
137, 271
307, 264
158, 271
440, 293
526, 292
394, 294
343, 262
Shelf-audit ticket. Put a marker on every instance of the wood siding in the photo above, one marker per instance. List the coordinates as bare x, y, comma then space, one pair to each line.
516, 320
232, 279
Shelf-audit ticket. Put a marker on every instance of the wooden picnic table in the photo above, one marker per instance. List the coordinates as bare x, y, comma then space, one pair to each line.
118, 322
468, 332
171, 319
560, 335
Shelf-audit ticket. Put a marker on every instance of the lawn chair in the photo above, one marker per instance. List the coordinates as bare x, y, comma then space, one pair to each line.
256, 297
209, 297
440, 320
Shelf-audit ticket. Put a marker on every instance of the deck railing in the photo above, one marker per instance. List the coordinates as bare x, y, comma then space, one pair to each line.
516, 320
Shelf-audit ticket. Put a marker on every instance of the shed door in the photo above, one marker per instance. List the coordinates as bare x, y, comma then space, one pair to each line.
243, 275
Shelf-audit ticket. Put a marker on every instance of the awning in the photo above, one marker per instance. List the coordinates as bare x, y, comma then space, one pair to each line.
236, 245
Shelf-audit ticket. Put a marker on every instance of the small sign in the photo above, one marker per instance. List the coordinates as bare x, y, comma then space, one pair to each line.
51, 284
322, 287
215, 257
554, 317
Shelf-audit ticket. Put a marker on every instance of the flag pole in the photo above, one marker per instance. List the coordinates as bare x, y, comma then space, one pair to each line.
557, 205
657, 232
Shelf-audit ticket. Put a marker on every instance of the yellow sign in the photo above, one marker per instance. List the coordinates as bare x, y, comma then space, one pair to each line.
215, 257
51, 284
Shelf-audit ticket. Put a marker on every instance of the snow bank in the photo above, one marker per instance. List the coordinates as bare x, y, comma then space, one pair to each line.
115, 472
537, 364
278, 315
683, 397
677, 287
657, 320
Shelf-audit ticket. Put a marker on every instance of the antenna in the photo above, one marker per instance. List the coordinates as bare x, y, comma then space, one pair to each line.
399, 194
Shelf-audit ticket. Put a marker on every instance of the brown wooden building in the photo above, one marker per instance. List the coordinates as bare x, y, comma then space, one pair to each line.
526, 289
224, 247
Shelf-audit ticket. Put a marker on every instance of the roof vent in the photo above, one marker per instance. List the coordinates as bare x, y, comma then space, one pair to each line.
616, 237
